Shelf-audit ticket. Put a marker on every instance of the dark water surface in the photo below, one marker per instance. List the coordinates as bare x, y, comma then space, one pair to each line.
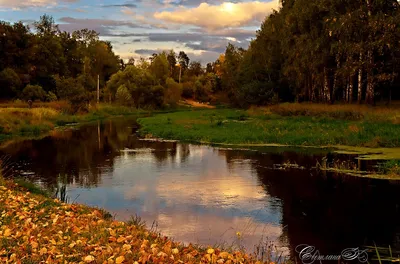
206, 195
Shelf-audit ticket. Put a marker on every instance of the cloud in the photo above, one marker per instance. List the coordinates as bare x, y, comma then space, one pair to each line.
224, 15
18, 4
102, 26
203, 56
130, 4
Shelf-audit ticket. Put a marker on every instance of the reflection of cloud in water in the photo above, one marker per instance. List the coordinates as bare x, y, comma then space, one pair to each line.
210, 229
195, 196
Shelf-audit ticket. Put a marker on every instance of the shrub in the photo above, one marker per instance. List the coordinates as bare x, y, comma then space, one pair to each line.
187, 90
51, 97
172, 92
33, 92
123, 96
73, 91
10, 83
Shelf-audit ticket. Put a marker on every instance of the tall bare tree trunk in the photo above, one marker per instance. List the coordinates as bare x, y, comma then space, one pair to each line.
335, 78
370, 92
360, 73
327, 96
350, 92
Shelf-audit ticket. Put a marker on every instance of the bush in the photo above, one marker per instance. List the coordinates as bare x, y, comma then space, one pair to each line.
173, 92
73, 91
187, 90
123, 96
51, 97
202, 90
34, 92
10, 83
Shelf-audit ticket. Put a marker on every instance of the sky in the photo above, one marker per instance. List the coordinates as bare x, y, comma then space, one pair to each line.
139, 28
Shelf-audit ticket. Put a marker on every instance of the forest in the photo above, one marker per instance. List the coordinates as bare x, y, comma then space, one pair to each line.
318, 51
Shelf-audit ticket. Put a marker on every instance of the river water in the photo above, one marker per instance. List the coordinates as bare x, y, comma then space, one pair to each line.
212, 195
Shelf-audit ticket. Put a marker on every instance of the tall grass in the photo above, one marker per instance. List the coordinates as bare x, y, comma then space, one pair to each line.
390, 167
343, 112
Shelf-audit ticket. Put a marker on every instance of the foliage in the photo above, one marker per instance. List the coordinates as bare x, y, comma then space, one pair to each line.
10, 83
391, 167
60, 233
74, 92
123, 96
34, 92
51, 97
321, 51
37, 57
173, 92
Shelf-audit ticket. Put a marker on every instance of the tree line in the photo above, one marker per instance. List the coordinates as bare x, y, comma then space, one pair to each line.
48, 64
319, 51
308, 50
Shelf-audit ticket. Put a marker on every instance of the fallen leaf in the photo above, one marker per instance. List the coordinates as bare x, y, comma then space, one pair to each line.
210, 251
120, 259
88, 258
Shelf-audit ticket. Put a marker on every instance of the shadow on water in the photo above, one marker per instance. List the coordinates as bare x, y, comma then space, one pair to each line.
211, 196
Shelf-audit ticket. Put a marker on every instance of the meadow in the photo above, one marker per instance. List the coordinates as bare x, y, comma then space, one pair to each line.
285, 124
17, 120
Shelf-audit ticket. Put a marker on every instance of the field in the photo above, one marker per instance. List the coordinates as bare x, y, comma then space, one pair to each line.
286, 124
18, 120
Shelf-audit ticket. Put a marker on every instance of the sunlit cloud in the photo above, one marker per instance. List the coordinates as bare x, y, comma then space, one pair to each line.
30, 3
220, 16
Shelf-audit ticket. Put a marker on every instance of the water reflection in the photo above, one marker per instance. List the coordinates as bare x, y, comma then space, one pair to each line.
206, 195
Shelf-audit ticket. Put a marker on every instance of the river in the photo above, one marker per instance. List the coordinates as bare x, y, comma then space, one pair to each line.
212, 195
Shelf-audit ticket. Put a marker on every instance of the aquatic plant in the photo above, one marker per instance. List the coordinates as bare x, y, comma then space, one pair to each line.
391, 167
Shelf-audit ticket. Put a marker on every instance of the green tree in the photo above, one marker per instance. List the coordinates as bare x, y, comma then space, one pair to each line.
10, 83
34, 92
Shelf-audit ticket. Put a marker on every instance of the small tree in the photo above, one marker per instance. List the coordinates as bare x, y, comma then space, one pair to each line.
173, 92
33, 92
10, 83
123, 96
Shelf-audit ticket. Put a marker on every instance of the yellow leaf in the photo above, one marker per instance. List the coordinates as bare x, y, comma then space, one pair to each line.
223, 255
88, 258
34, 244
112, 232
126, 247
72, 245
175, 251
162, 254
210, 251
7, 232
43, 251
119, 260
153, 245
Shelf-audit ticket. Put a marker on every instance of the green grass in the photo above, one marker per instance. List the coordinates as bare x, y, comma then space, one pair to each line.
390, 167
260, 126
31, 187
24, 122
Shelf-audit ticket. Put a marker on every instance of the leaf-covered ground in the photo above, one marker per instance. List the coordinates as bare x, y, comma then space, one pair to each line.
36, 229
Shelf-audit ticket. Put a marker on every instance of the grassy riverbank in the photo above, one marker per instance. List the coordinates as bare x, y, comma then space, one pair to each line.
36, 229
16, 122
287, 124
